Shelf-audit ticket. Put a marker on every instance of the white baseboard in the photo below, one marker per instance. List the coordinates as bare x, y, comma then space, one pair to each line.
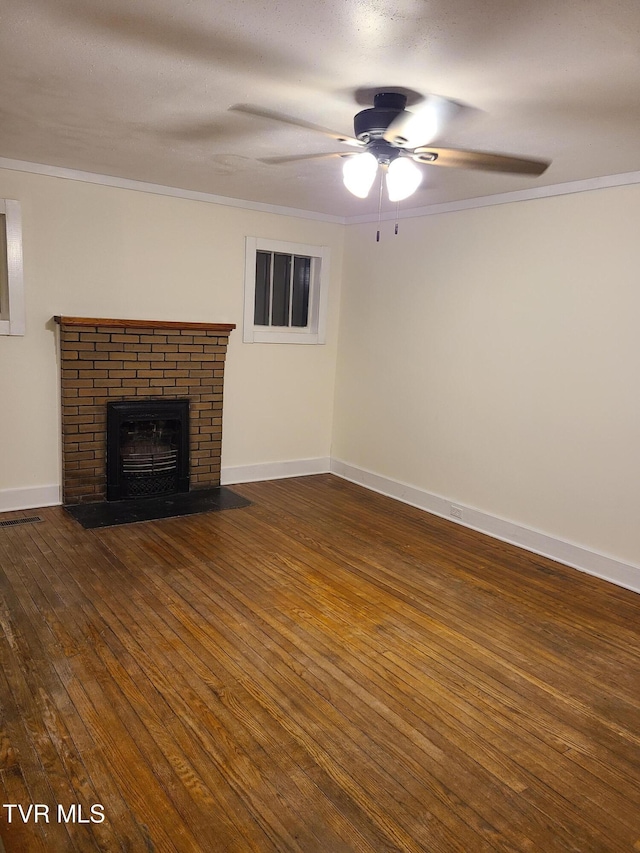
274, 470
29, 498
568, 553
39, 496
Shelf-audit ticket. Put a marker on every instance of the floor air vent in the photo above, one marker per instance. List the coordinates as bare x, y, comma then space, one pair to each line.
29, 519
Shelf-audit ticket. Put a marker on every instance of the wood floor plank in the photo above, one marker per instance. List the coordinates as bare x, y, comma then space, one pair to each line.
40, 761
595, 805
119, 680
325, 670
224, 742
237, 719
322, 677
264, 686
98, 593
412, 616
72, 740
506, 654
62, 671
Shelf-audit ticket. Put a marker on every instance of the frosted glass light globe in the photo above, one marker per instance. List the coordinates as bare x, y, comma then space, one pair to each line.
403, 178
359, 173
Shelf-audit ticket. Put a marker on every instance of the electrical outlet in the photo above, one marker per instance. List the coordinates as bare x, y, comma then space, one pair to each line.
456, 511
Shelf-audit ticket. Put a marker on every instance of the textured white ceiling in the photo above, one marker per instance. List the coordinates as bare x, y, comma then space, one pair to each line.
142, 89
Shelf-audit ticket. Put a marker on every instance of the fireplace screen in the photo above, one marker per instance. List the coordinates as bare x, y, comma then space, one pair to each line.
147, 448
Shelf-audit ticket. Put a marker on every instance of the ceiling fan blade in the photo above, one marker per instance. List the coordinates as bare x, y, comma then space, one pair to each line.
424, 124
295, 157
479, 160
259, 112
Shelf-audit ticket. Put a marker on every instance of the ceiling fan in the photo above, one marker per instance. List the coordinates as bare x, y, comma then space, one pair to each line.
394, 138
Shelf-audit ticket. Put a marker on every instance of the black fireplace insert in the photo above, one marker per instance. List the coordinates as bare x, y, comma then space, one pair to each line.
147, 448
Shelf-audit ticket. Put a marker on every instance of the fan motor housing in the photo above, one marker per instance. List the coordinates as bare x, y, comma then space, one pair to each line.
372, 123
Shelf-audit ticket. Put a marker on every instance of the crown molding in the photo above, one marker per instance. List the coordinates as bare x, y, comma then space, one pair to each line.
568, 188
159, 189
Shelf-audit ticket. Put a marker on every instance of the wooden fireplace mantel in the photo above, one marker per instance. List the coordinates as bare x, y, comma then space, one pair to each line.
221, 328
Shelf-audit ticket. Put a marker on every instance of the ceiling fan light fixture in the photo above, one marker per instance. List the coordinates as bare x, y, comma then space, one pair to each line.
403, 179
359, 173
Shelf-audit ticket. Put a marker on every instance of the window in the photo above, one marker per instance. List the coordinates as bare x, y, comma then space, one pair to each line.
11, 287
285, 292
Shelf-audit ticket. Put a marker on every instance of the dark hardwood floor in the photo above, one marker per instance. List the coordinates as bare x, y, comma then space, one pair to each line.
326, 670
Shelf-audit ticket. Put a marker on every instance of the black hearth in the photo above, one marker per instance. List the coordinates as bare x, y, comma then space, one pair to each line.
147, 448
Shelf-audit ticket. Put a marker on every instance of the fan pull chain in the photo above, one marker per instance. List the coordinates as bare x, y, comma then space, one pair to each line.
395, 231
379, 208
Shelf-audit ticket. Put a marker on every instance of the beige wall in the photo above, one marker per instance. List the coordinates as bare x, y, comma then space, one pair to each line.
104, 252
492, 356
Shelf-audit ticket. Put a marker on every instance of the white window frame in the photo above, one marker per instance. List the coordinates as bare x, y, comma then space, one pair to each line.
316, 330
12, 314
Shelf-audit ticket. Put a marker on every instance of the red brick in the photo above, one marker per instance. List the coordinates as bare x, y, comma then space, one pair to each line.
95, 336
178, 374
108, 347
142, 348
107, 383
135, 383
133, 363
93, 374
108, 365
123, 374
164, 347
180, 339
190, 348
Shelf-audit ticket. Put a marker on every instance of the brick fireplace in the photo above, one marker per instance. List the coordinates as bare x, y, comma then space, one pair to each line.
104, 360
